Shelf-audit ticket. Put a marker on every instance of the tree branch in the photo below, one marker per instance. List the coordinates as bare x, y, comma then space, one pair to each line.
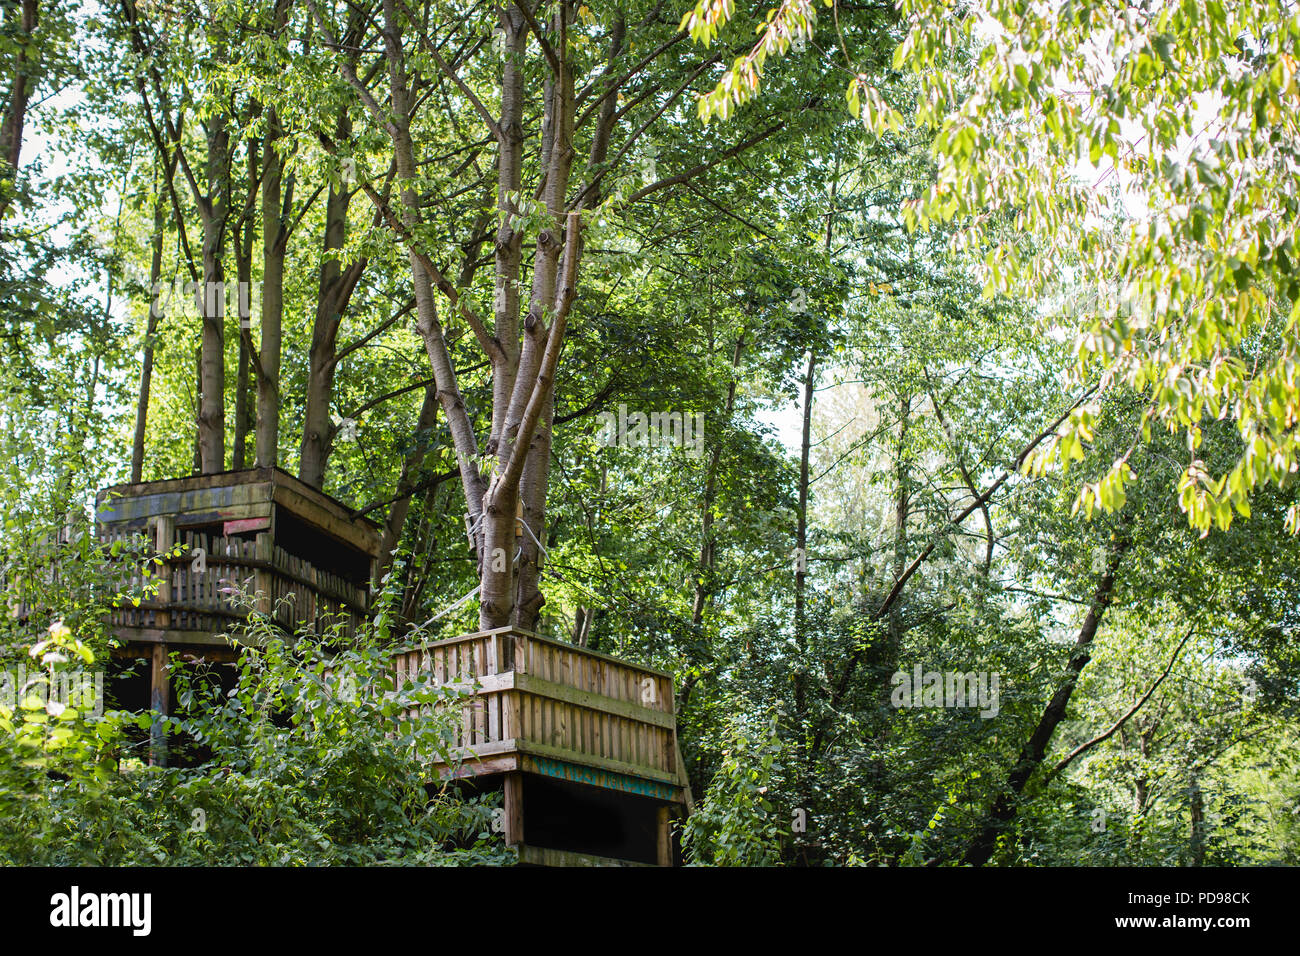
1101, 738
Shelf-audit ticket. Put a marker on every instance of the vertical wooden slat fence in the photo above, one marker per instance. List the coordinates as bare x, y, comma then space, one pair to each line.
545, 700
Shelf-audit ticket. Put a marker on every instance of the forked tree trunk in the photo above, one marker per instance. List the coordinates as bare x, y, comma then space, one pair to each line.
559, 148
335, 286
523, 350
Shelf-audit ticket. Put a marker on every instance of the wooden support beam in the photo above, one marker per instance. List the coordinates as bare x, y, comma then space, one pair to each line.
664, 836
262, 578
160, 704
514, 808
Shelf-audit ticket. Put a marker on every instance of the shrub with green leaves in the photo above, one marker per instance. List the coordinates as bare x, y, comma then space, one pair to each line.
735, 824
310, 761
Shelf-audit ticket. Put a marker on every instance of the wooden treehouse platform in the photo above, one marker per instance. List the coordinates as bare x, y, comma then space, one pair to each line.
259, 530
583, 745
306, 557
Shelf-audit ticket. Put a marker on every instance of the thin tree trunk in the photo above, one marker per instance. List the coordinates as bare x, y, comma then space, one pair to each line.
20, 92
902, 507
275, 240
704, 572
1035, 748
214, 208
1198, 824
406, 483
704, 567
801, 542
198, 385
244, 404
151, 331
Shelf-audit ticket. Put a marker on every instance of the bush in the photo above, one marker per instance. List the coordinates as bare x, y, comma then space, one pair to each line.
735, 824
309, 762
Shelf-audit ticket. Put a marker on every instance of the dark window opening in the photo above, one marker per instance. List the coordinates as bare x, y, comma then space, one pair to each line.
568, 816
303, 540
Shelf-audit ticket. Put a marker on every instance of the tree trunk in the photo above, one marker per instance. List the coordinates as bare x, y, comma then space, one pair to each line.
1198, 824
334, 291
244, 283
151, 331
213, 208
198, 386
523, 352
20, 92
501, 500
704, 586
559, 150
801, 543
902, 507
406, 483
703, 581
275, 239
1031, 755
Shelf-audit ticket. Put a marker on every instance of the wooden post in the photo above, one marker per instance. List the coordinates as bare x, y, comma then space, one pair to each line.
160, 704
164, 532
263, 577
664, 834
514, 807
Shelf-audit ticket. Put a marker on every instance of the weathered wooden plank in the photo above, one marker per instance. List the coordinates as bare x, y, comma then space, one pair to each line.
475, 767
179, 636
607, 705
192, 505
510, 723
564, 763
545, 856
522, 637
164, 530
493, 702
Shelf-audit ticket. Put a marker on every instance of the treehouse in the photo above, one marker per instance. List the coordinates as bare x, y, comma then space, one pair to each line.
261, 531
582, 745
257, 532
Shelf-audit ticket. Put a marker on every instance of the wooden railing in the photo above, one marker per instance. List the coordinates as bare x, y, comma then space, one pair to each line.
551, 701
199, 594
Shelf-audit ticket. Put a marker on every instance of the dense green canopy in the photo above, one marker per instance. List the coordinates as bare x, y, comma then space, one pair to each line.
971, 328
